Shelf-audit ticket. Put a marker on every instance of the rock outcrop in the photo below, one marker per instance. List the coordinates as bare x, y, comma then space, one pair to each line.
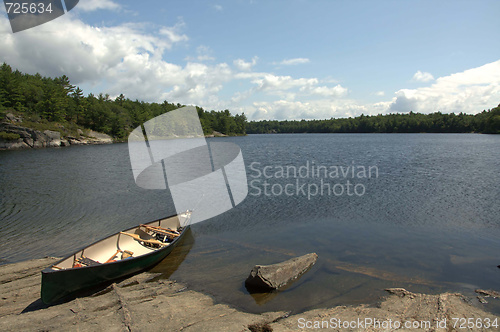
146, 303
31, 138
269, 277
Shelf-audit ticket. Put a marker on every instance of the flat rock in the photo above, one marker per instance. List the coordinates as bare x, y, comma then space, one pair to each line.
269, 277
164, 305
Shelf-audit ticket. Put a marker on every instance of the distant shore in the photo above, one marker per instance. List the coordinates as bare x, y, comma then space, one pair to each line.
145, 302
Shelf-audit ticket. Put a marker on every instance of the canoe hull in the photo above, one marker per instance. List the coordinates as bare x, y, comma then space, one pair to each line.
59, 284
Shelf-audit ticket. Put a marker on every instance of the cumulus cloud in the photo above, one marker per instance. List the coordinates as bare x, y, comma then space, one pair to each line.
245, 66
470, 91
336, 91
422, 77
84, 53
173, 33
92, 5
298, 110
295, 61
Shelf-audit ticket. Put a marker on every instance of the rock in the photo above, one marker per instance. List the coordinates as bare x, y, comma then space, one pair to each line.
401, 292
268, 277
30, 138
11, 117
53, 138
482, 299
101, 138
79, 131
74, 141
13, 145
160, 306
491, 293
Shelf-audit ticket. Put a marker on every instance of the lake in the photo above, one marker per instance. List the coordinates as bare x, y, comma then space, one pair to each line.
418, 211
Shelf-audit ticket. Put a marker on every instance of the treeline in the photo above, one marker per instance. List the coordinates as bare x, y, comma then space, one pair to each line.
484, 122
45, 99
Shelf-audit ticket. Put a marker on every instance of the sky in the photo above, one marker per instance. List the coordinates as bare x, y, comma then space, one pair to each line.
273, 59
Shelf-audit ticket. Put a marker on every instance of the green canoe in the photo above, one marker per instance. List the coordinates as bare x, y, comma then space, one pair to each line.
119, 255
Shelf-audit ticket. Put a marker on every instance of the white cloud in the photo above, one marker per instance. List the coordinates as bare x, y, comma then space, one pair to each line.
295, 61
272, 83
298, 110
92, 5
336, 91
173, 33
379, 93
218, 8
422, 77
123, 58
245, 66
470, 91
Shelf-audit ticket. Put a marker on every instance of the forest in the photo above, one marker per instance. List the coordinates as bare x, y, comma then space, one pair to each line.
54, 103
45, 101
487, 122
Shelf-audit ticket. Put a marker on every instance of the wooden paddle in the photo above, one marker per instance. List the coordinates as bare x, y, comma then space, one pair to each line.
138, 238
160, 230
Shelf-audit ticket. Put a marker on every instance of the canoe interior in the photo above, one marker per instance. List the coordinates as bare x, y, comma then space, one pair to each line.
107, 249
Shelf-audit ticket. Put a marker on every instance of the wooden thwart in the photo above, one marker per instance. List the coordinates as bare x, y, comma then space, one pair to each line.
138, 238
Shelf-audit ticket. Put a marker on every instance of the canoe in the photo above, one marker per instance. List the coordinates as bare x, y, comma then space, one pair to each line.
119, 255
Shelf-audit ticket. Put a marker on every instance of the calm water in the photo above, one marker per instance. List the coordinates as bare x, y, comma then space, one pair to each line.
428, 220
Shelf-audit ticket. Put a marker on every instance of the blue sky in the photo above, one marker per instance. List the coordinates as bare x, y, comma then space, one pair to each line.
275, 59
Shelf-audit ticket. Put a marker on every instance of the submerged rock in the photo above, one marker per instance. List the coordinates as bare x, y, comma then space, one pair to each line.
269, 277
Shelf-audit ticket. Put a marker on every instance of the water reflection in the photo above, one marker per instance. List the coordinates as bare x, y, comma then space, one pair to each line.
172, 262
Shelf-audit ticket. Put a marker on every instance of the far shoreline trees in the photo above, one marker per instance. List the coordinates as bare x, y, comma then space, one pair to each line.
487, 122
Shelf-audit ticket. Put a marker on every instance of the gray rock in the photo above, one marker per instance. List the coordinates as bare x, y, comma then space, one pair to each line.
54, 138
74, 141
13, 145
11, 117
30, 138
100, 137
269, 277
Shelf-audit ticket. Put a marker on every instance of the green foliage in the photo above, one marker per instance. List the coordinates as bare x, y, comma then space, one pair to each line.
9, 136
485, 122
55, 104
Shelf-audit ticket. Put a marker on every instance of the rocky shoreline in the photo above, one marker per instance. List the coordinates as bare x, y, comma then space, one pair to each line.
21, 137
146, 303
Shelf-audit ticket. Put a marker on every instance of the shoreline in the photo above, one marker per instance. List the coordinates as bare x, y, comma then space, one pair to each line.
146, 302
